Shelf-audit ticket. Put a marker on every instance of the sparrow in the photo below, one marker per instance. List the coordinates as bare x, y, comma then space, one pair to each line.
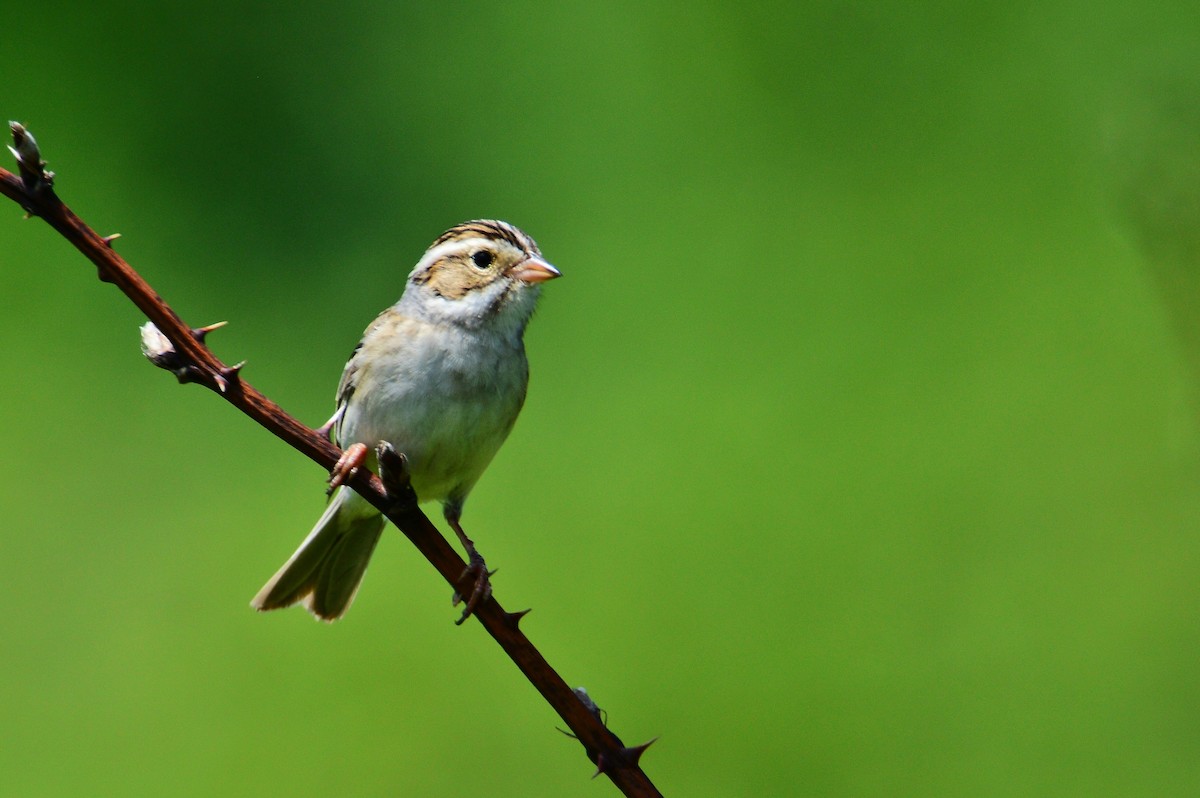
441, 375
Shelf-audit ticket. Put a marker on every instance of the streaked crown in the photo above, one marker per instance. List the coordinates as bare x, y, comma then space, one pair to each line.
493, 229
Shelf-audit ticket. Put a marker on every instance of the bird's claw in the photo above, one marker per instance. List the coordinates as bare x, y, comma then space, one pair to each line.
480, 592
347, 466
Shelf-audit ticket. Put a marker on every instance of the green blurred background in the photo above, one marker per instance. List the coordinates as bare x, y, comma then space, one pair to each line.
861, 455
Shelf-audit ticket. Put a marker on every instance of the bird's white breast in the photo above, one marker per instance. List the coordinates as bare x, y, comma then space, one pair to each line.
444, 395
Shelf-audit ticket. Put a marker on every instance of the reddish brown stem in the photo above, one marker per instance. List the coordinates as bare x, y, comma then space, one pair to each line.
193, 361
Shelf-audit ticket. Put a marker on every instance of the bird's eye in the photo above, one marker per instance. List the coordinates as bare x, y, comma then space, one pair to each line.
481, 258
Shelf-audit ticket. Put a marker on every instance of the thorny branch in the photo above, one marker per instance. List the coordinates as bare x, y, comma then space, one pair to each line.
185, 353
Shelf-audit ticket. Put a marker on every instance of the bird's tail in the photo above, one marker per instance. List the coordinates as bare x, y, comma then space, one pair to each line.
326, 570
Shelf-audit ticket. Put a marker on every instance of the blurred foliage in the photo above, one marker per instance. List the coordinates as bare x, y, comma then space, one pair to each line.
861, 452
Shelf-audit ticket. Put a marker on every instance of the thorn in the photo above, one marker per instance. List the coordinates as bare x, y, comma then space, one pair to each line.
634, 753
200, 333
230, 374
630, 755
564, 731
108, 240
226, 376
513, 619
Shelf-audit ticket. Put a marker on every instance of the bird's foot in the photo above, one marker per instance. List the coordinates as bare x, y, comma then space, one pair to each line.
481, 589
347, 465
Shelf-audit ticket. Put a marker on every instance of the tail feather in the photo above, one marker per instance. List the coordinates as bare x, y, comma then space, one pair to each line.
326, 571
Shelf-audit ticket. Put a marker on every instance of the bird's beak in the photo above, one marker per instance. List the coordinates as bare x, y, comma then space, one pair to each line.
534, 270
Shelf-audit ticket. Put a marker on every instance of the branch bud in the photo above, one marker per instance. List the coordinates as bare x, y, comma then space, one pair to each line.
33, 171
158, 348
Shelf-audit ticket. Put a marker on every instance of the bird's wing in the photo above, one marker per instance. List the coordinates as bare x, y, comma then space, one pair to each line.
356, 369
